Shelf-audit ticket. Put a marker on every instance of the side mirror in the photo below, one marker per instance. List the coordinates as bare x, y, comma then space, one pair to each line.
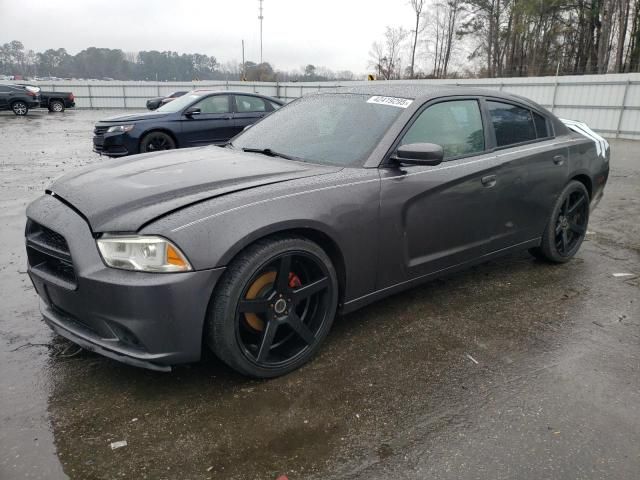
419, 154
247, 127
191, 111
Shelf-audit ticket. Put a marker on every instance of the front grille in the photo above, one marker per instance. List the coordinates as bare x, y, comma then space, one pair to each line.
49, 255
99, 130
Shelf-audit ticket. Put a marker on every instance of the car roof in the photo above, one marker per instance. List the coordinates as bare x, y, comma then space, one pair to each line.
236, 92
422, 93
217, 90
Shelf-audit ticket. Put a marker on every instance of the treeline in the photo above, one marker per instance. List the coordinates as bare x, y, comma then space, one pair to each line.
101, 63
107, 63
496, 38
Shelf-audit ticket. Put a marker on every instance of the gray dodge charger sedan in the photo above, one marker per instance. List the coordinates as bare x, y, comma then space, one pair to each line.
332, 202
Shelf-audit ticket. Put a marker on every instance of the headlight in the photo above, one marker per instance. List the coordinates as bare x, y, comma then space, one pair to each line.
142, 253
120, 128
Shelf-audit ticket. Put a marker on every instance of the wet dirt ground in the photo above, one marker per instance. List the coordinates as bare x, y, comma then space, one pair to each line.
513, 369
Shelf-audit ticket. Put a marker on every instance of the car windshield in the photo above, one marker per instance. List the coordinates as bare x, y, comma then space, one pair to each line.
333, 129
179, 103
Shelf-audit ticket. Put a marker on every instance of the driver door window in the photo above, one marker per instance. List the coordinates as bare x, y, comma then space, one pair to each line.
214, 104
455, 125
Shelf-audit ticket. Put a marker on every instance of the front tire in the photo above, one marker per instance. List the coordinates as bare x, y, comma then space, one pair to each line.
567, 226
20, 108
157, 141
273, 307
56, 106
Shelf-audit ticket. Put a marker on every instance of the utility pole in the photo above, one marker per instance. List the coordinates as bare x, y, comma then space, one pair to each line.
260, 17
242, 75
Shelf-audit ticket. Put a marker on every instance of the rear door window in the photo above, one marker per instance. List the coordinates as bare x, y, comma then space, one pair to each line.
512, 124
247, 103
454, 125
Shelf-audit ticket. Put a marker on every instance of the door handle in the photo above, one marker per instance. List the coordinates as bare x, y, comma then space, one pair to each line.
558, 159
488, 181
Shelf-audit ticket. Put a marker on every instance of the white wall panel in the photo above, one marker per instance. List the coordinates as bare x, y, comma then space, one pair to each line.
595, 99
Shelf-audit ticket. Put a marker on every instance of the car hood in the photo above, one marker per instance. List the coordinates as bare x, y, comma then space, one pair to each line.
125, 194
134, 117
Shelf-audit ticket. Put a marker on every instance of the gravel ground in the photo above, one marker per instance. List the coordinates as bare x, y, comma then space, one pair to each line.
513, 369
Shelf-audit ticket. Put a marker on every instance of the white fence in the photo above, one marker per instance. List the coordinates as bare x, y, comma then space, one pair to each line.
609, 103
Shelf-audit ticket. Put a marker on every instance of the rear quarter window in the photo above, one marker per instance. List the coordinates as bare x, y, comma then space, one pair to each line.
542, 126
512, 124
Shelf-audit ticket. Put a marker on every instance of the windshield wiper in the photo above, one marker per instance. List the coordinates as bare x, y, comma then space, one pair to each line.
269, 153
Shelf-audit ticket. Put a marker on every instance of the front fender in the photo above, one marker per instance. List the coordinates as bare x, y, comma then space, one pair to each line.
278, 228
212, 233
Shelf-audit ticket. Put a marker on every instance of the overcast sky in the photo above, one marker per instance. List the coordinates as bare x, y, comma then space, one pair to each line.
333, 33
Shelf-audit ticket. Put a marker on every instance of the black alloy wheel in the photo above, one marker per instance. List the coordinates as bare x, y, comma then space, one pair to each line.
567, 226
571, 224
157, 141
274, 307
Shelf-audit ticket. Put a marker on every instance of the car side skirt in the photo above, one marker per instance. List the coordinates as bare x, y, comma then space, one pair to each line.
360, 302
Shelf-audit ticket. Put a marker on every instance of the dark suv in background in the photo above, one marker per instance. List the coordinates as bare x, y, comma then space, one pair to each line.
18, 99
200, 117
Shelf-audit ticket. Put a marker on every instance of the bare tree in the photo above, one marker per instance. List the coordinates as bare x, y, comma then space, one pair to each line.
442, 26
623, 8
385, 56
417, 6
377, 59
393, 38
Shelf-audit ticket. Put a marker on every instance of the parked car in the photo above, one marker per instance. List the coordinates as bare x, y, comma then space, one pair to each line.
199, 118
154, 103
18, 99
332, 202
54, 101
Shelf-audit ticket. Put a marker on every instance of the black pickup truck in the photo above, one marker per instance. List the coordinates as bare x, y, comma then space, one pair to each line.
55, 101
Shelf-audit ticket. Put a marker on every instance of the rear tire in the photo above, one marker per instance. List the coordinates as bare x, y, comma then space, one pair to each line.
157, 141
273, 307
20, 108
56, 106
567, 226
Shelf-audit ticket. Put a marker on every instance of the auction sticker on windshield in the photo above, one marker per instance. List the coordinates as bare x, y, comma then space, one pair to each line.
391, 101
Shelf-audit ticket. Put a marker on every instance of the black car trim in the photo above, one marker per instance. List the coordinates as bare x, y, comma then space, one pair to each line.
128, 357
48, 249
44, 274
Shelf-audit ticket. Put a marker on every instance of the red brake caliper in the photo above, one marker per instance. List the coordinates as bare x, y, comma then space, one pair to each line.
294, 280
